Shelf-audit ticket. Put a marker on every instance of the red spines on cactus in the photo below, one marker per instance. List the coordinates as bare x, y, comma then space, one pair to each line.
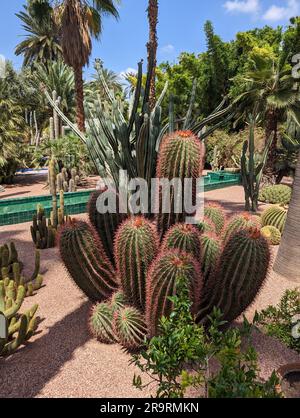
86, 261
180, 157
185, 238
162, 278
240, 221
136, 246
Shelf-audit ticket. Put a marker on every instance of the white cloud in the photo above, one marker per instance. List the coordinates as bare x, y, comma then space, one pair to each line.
167, 49
275, 13
242, 6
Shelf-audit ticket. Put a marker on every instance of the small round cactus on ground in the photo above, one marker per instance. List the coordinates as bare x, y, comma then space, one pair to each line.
279, 194
216, 214
185, 238
275, 216
242, 221
101, 323
117, 301
272, 234
130, 328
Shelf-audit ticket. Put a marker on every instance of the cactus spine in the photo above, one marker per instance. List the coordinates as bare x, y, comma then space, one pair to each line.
185, 238
136, 246
161, 284
130, 328
275, 216
84, 257
241, 272
180, 157
105, 224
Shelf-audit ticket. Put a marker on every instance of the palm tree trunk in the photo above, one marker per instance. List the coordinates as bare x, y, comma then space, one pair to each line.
152, 47
80, 117
288, 259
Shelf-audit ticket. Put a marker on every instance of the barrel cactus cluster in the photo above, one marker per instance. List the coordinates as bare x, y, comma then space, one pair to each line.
224, 262
279, 194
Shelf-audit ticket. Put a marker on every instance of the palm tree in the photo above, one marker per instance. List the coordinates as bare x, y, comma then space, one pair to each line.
268, 87
42, 40
79, 21
152, 48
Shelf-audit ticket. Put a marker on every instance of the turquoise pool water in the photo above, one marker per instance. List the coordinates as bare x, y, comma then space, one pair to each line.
16, 211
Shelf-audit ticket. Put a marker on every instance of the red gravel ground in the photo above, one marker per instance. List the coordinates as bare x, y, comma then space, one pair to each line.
62, 360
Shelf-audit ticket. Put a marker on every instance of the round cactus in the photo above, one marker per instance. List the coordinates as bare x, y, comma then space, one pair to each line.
130, 328
117, 301
101, 323
216, 214
272, 234
206, 225
278, 194
105, 224
136, 246
211, 250
161, 285
180, 157
275, 216
184, 238
241, 272
242, 221
86, 261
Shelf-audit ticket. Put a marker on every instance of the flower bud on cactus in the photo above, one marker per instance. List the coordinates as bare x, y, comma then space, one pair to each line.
101, 321
241, 272
185, 238
180, 157
211, 251
275, 216
105, 224
161, 285
272, 234
84, 257
136, 246
130, 328
216, 214
237, 222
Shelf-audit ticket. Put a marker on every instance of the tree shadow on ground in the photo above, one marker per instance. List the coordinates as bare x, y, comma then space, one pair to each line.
26, 373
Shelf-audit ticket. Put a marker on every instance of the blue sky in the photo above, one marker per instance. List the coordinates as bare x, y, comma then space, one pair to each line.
180, 27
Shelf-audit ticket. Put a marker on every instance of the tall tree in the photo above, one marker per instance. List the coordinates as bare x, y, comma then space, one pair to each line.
152, 47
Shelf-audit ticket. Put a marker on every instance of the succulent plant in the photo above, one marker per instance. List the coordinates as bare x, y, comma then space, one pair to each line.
275, 216
161, 285
211, 248
101, 323
180, 157
272, 234
16, 328
279, 194
216, 214
106, 224
130, 328
206, 225
43, 235
185, 238
136, 246
241, 272
117, 301
86, 261
8, 257
242, 221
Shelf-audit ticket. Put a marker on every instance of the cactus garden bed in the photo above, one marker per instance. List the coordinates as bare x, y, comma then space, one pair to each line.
63, 360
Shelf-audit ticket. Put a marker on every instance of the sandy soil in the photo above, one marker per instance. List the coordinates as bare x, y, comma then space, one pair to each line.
62, 360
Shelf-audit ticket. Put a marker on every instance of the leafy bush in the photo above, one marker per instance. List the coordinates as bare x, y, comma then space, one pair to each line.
179, 358
278, 321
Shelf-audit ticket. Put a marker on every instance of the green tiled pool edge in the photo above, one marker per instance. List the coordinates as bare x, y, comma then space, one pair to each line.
78, 207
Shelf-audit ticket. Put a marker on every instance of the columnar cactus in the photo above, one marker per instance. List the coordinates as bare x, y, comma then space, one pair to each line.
8, 256
185, 238
278, 194
211, 248
180, 157
161, 285
241, 272
275, 216
130, 328
43, 235
242, 221
216, 214
136, 246
105, 224
84, 257
100, 323
272, 234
